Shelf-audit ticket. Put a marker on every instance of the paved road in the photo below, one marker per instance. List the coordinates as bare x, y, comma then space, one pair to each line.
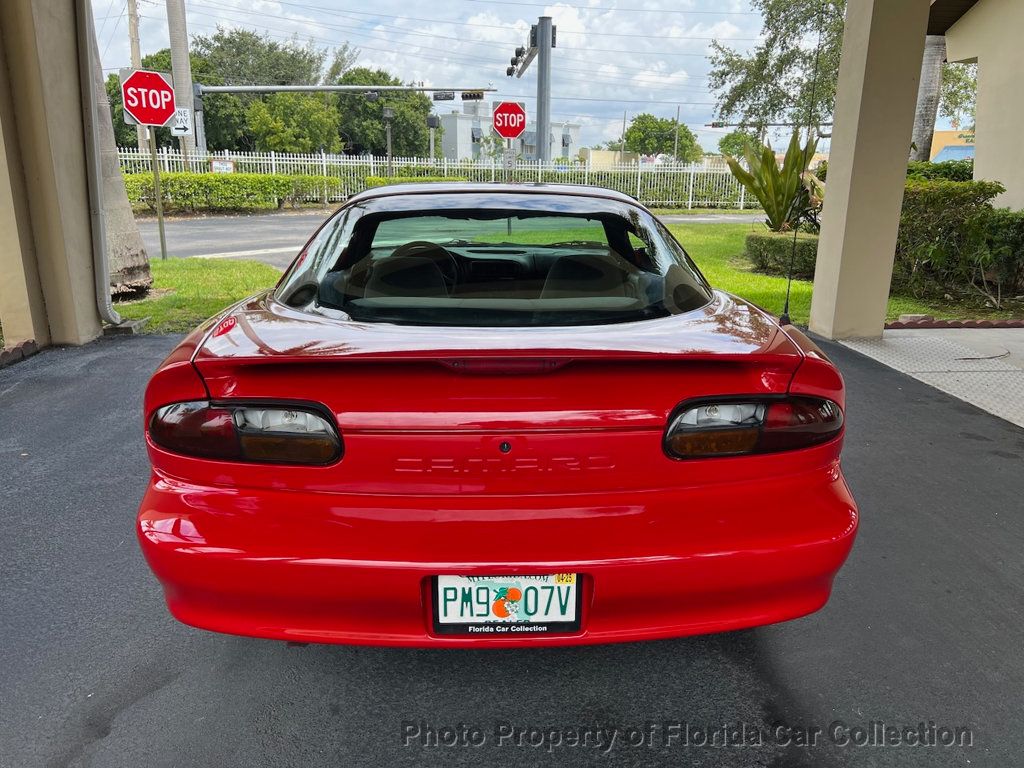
925, 623
275, 238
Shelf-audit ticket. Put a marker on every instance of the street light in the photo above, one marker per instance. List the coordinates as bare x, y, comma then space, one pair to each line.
388, 114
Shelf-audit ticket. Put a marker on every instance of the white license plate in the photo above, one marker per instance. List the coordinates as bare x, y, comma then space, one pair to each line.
507, 605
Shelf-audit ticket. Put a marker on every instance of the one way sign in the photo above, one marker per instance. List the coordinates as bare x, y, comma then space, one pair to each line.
181, 123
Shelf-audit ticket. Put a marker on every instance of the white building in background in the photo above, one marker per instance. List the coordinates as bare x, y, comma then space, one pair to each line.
463, 133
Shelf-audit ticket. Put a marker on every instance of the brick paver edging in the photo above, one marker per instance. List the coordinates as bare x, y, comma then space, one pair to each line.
11, 355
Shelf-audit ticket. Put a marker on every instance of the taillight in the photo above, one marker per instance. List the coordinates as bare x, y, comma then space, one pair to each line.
733, 428
279, 434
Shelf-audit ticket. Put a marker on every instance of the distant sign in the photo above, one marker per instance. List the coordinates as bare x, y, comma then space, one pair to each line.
509, 159
472, 95
181, 123
509, 119
222, 166
444, 95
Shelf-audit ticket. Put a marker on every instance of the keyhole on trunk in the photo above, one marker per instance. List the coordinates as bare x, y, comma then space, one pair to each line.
505, 446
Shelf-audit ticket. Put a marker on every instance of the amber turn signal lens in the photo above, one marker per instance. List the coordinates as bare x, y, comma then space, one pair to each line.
715, 442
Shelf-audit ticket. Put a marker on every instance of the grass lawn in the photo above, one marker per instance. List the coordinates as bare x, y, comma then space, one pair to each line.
718, 251
187, 291
703, 211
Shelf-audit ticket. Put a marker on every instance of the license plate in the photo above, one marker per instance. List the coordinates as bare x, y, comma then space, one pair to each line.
507, 605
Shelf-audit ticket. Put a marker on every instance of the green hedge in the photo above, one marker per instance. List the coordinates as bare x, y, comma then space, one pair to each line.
771, 252
932, 252
192, 192
951, 170
383, 181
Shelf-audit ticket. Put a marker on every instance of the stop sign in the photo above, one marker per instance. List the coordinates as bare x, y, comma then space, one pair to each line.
148, 97
509, 119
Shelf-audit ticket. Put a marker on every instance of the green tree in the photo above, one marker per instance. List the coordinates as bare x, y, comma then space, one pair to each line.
735, 143
244, 57
362, 119
959, 94
775, 81
294, 122
650, 135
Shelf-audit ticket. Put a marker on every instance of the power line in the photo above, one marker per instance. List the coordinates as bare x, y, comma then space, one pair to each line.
623, 10
591, 77
460, 23
113, 33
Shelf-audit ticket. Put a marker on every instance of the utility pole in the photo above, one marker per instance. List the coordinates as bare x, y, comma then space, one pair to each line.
544, 35
181, 67
389, 113
136, 56
675, 148
622, 139
433, 121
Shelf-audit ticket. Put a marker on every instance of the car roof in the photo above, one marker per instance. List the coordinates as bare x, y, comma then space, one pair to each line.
491, 188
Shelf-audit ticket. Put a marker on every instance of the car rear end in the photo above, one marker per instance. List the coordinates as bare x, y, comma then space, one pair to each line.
325, 481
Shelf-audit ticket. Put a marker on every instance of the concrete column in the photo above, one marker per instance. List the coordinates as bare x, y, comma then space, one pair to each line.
45, 242
883, 46
989, 34
22, 313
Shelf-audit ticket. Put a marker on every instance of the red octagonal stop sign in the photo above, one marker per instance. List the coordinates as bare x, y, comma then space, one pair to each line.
148, 97
509, 119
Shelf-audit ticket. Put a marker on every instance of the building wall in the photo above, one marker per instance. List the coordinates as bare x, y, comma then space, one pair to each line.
943, 139
457, 141
990, 33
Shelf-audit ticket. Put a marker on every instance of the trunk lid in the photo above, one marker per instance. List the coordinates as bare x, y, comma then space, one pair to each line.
459, 410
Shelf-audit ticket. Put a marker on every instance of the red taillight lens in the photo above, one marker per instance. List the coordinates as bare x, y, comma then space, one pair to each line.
730, 428
799, 422
279, 434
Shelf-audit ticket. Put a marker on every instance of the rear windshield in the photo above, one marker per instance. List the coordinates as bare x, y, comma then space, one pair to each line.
495, 264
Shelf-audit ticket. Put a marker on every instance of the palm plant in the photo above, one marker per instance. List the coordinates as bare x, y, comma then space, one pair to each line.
789, 194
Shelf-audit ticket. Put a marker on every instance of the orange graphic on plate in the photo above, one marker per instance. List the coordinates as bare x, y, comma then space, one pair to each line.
506, 602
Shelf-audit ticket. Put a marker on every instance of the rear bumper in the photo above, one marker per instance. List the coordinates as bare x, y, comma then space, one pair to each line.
341, 568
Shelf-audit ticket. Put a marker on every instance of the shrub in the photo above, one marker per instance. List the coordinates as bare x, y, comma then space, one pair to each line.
771, 252
951, 170
382, 181
932, 243
193, 192
305, 188
995, 254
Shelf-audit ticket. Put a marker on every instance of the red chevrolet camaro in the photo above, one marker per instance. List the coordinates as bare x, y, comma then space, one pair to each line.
494, 415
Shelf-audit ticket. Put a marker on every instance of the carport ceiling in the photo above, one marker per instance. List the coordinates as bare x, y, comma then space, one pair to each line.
945, 13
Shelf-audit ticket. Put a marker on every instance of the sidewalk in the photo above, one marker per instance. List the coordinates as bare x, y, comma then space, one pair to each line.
982, 366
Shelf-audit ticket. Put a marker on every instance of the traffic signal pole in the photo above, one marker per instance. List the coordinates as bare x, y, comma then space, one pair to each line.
544, 88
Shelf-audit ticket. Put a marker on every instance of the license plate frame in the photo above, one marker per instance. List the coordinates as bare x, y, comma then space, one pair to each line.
508, 627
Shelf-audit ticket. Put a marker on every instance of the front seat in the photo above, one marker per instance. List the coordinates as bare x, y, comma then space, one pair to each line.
406, 276
585, 275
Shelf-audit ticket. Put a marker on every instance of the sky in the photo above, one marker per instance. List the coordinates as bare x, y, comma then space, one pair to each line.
611, 55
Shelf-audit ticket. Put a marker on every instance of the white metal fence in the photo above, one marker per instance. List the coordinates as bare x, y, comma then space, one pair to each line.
702, 185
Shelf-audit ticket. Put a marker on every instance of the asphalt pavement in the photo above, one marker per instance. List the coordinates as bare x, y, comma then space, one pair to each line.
925, 624
275, 238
